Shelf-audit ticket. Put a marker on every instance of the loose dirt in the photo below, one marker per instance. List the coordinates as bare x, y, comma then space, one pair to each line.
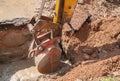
94, 50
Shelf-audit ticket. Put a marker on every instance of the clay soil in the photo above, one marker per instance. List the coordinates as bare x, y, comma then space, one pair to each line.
92, 52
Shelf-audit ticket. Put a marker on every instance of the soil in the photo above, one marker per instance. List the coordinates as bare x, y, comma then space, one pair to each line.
92, 51
14, 35
95, 48
96, 53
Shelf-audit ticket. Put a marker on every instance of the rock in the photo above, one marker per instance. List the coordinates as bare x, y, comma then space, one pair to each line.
86, 56
116, 74
79, 17
95, 55
89, 51
64, 70
28, 74
80, 1
78, 80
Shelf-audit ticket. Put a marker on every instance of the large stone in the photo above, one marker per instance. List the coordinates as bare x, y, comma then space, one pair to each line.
79, 17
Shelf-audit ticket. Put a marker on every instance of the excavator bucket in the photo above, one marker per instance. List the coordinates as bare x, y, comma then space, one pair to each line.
48, 60
45, 46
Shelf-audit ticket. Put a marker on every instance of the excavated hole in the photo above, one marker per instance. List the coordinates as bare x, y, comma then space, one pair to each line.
14, 39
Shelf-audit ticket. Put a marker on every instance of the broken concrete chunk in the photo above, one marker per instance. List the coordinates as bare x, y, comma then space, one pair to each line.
79, 17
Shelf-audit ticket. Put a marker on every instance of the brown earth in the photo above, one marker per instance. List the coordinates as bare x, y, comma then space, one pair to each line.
94, 40
14, 41
94, 49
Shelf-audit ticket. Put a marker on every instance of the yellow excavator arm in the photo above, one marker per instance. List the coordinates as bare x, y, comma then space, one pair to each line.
64, 10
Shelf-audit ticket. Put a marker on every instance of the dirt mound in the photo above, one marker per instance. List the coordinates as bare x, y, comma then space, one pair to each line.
95, 48
91, 45
91, 70
98, 37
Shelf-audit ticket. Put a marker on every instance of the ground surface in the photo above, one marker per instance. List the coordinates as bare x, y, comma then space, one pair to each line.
94, 49
11, 9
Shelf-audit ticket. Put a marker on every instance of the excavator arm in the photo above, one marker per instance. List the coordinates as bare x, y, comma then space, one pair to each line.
64, 10
45, 45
